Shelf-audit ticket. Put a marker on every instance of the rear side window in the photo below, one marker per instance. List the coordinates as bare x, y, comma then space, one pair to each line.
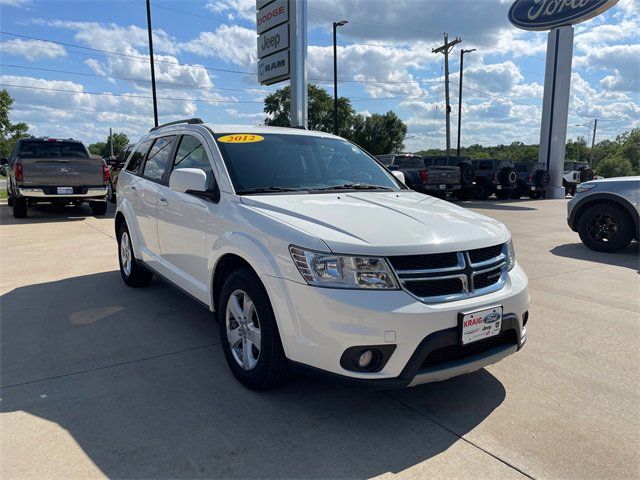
138, 155
158, 158
51, 149
409, 162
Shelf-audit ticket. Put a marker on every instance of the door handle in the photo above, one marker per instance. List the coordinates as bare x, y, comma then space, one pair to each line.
163, 200
133, 187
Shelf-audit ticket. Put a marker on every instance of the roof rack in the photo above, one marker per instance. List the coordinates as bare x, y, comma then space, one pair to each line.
190, 121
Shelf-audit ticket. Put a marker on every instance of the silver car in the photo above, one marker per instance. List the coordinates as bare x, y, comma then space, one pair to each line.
606, 213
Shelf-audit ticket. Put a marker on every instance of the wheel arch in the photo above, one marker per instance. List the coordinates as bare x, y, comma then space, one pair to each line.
600, 199
226, 264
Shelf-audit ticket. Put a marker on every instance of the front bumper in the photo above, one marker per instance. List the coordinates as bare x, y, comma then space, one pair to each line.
48, 193
317, 325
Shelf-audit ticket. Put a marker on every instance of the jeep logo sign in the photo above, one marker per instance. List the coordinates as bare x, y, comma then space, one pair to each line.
549, 14
273, 41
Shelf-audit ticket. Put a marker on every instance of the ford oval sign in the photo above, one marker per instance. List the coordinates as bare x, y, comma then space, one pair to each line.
548, 14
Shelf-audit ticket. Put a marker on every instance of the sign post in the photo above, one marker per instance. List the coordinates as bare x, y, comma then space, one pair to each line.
557, 16
282, 50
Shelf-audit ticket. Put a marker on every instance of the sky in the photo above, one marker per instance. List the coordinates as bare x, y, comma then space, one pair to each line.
86, 66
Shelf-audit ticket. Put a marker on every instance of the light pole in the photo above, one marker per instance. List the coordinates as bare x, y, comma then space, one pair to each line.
462, 52
335, 75
153, 69
592, 130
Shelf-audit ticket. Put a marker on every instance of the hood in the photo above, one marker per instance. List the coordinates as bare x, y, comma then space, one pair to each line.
382, 223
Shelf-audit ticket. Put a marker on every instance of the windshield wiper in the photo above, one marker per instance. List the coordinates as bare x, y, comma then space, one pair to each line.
353, 186
270, 190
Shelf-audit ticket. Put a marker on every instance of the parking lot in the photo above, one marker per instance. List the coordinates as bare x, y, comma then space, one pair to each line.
102, 380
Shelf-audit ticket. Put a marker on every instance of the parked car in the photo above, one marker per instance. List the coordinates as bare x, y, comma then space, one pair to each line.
314, 256
440, 181
605, 213
574, 174
467, 173
533, 179
115, 165
55, 170
494, 176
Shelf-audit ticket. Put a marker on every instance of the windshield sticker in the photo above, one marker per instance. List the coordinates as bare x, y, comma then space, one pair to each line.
241, 138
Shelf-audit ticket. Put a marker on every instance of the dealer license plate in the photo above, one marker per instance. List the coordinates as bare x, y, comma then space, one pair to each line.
442, 187
499, 187
533, 189
481, 324
65, 190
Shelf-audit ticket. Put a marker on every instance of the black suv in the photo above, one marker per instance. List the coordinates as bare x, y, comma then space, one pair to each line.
494, 176
467, 173
533, 179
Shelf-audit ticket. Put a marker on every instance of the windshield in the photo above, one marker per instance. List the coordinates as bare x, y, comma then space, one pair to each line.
272, 163
51, 149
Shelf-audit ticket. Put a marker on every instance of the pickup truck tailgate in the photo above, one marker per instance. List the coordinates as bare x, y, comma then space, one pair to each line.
64, 172
443, 175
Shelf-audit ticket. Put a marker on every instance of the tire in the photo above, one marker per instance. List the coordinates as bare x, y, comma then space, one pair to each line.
537, 195
503, 194
508, 177
98, 208
463, 194
9, 199
467, 173
133, 273
265, 366
111, 193
516, 193
605, 227
482, 189
19, 207
586, 175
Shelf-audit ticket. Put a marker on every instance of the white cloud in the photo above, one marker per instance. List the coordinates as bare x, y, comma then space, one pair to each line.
621, 60
32, 49
15, 3
232, 44
245, 9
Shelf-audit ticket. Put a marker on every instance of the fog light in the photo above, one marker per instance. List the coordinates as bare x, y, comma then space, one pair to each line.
365, 359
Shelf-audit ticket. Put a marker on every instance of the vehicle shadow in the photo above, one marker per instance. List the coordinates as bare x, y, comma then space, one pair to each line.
628, 257
492, 204
138, 379
49, 213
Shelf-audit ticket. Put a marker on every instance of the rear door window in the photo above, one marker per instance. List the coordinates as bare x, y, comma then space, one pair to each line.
51, 149
158, 158
409, 162
138, 156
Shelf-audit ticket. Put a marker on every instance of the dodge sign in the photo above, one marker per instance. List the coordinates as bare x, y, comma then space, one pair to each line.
272, 15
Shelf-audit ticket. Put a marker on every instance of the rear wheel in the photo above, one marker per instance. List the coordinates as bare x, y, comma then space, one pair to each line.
606, 227
463, 194
19, 207
482, 189
98, 208
249, 333
536, 195
503, 194
133, 273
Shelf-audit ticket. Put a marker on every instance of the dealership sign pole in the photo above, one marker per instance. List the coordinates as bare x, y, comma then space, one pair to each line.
558, 16
282, 50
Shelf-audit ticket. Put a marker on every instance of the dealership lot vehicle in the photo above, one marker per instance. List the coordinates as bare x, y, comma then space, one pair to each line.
115, 166
606, 213
467, 173
278, 231
58, 171
574, 174
494, 176
439, 181
533, 179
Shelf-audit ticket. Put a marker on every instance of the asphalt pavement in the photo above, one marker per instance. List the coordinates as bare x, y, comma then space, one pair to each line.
101, 380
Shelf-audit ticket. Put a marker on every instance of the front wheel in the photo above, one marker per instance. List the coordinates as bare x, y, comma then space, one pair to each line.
133, 273
19, 206
537, 195
503, 194
249, 333
606, 228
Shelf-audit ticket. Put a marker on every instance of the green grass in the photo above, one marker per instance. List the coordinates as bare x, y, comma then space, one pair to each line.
3, 191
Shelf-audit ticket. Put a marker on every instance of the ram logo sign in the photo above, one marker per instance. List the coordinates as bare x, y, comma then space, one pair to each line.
549, 14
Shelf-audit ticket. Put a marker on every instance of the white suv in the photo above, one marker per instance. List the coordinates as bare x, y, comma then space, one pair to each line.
313, 256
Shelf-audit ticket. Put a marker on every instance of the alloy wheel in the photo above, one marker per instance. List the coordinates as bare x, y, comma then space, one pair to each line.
125, 253
602, 228
243, 329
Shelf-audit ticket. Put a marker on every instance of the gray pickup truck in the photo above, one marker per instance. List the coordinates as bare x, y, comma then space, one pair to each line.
58, 171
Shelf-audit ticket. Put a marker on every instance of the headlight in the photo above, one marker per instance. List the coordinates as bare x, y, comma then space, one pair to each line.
511, 255
342, 271
585, 187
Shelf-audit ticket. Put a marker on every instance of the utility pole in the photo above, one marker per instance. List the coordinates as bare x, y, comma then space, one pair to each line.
446, 50
593, 141
462, 52
111, 142
153, 69
335, 75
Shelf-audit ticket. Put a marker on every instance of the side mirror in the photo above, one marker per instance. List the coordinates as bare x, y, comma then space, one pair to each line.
398, 175
188, 180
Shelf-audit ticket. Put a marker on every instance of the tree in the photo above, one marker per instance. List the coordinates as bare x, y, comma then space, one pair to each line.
120, 141
615, 166
278, 105
10, 133
379, 134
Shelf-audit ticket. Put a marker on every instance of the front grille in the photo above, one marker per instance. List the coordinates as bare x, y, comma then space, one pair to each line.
484, 254
425, 262
486, 279
452, 353
435, 288
450, 276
